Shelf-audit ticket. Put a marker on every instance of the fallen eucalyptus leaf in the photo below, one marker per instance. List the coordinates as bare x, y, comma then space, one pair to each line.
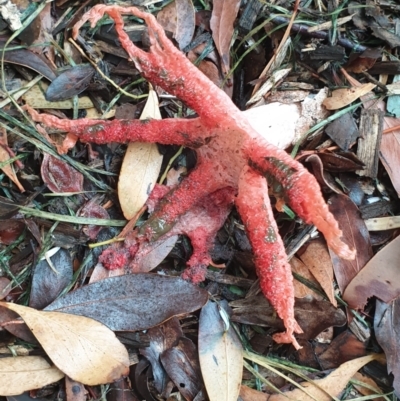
134, 301
82, 348
23, 373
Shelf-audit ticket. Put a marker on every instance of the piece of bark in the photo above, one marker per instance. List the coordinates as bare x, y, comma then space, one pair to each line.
343, 131
371, 126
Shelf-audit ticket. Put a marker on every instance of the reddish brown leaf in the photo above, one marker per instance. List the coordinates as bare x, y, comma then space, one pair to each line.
74, 390
222, 19
11, 231
134, 301
343, 348
94, 210
387, 331
60, 176
355, 234
378, 278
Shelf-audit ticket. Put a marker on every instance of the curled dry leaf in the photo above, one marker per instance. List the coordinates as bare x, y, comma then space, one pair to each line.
8, 169
378, 278
140, 167
220, 353
343, 97
59, 176
24, 373
134, 301
82, 348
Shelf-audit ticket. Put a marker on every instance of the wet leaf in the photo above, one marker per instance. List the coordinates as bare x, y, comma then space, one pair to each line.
134, 301
316, 258
220, 353
315, 315
70, 83
5, 287
80, 347
181, 362
222, 19
343, 97
23, 373
161, 338
30, 60
49, 280
300, 289
378, 278
355, 234
387, 331
140, 167
59, 176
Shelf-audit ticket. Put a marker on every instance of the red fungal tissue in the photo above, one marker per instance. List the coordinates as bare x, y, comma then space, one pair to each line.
234, 164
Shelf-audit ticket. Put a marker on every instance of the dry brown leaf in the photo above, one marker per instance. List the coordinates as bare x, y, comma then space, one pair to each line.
220, 353
343, 97
222, 19
317, 259
379, 278
141, 166
82, 348
24, 373
8, 169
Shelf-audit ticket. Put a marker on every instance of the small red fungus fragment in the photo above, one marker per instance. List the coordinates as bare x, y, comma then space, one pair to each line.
232, 159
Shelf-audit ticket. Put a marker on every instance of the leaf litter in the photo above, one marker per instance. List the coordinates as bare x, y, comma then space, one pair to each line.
158, 303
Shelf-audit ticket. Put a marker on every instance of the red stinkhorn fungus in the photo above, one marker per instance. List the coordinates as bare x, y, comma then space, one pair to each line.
234, 164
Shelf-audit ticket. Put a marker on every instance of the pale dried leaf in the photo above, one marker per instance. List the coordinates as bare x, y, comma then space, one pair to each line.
320, 389
141, 166
8, 169
343, 97
82, 348
220, 353
24, 373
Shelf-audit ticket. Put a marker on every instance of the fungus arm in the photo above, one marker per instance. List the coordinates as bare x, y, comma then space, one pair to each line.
170, 131
300, 189
273, 270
